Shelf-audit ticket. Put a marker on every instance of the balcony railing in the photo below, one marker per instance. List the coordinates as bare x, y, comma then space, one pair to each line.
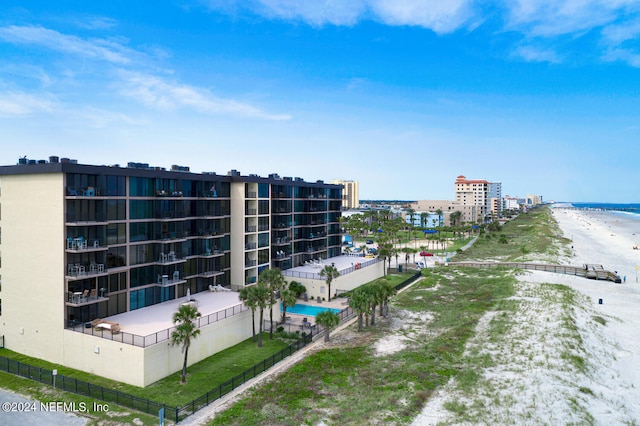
80, 298
81, 243
77, 270
167, 280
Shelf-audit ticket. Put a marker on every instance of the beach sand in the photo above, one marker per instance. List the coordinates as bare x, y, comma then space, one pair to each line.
533, 378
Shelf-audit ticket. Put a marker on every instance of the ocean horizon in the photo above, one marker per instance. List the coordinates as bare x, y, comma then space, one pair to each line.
629, 209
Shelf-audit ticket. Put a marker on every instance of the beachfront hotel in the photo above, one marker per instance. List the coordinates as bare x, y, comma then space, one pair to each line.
95, 259
482, 193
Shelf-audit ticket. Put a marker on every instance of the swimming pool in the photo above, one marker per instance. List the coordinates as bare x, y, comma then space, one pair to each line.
312, 311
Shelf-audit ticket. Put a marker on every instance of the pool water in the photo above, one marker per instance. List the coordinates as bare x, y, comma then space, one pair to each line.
311, 311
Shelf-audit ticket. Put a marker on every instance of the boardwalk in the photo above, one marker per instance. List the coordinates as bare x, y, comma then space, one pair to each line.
596, 272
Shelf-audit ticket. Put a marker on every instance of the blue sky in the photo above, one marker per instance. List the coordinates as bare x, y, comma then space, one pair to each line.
401, 95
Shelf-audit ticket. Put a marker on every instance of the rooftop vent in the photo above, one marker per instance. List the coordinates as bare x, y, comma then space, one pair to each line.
233, 172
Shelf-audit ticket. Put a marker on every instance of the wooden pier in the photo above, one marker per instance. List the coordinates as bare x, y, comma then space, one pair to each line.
591, 271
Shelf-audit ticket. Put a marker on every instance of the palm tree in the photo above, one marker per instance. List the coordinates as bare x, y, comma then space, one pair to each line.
423, 219
248, 297
359, 302
327, 319
388, 291
455, 218
384, 252
375, 298
330, 272
410, 213
186, 331
263, 296
288, 299
275, 282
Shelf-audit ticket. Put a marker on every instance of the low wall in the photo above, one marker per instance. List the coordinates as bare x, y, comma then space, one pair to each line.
143, 366
317, 287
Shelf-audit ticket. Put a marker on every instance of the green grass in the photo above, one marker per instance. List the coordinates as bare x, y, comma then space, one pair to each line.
201, 377
352, 386
533, 233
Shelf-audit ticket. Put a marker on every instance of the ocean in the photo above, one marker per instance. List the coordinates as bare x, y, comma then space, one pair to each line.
631, 209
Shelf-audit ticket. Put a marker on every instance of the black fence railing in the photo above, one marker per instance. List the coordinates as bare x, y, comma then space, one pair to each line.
81, 387
408, 281
145, 405
148, 406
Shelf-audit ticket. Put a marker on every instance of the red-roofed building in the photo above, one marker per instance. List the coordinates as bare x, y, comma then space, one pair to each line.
479, 192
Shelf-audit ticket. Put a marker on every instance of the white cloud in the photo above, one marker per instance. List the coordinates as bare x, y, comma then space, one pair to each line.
315, 12
97, 23
537, 54
159, 93
550, 18
103, 49
439, 16
19, 104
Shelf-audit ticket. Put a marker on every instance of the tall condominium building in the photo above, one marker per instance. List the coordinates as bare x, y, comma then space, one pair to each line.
479, 192
81, 242
350, 195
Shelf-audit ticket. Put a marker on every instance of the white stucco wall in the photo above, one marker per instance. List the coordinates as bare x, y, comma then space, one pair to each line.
318, 287
143, 366
32, 269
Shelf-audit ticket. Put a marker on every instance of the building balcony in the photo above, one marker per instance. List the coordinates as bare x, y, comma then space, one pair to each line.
169, 280
212, 253
169, 258
81, 245
87, 191
76, 271
282, 255
207, 274
86, 297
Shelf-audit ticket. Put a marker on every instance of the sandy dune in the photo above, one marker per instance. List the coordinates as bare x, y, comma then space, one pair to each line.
534, 378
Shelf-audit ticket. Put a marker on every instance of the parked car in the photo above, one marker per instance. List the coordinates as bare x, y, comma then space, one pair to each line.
369, 241
425, 254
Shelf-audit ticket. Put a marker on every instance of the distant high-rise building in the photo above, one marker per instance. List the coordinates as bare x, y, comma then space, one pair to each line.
479, 192
350, 196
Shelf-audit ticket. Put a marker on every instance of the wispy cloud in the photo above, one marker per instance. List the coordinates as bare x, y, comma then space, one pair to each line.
21, 104
96, 23
103, 49
161, 94
153, 91
548, 18
553, 21
537, 54
439, 16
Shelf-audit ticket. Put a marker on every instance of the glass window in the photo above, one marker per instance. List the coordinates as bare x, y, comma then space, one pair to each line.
263, 190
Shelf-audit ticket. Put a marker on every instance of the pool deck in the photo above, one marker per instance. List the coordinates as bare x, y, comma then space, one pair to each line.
297, 319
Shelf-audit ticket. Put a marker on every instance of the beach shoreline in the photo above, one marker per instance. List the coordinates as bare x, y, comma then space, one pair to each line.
561, 363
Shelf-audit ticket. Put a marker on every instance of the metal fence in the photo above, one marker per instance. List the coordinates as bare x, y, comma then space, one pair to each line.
145, 405
154, 338
81, 387
316, 275
148, 406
